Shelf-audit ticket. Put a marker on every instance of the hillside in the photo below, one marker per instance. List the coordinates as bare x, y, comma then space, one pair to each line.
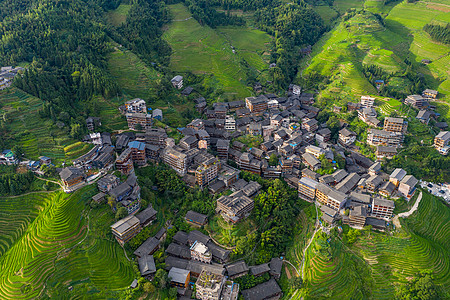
56, 241
203, 50
377, 264
362, 40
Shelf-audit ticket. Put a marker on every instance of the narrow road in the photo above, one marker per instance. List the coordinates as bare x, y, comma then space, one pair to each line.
413, 209
406, 214
310, 241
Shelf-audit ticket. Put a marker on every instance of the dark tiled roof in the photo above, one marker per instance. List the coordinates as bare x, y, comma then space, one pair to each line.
259, 269
237, 268
148, 246
262, 291
196, 217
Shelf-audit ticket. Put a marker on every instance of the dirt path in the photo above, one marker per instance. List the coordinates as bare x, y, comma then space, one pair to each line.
310, 241
288, 274
407, 213
223, 246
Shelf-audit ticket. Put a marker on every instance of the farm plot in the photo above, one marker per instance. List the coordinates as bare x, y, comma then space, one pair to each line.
57, 246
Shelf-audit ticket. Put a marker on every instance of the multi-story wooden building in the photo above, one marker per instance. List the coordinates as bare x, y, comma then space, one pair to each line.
385, 151
407, 186
330, 197
431, 94
179, 277
234, 207
307, 188
138, 153
442, 142
378, 137
156, 136
416, 101
124, 163
125, 229
367, 101
397, 176
382, 208
346, 137
223, 146
256, 105
72, 176
395, 125
143, 119
356, 217
175, 159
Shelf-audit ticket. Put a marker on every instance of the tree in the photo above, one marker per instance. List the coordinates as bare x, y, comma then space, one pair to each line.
138, 127
76, 131
173, 293
18, 151
121, 213
149, 288
421, 287
273, 159
111, 202
161, 278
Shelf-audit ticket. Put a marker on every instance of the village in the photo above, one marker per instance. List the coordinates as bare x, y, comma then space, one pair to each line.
346, 186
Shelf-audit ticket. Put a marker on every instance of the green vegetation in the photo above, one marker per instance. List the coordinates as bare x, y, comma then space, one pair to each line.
118, 16
22, 125
54, 241
389, 42
251, 141
377, 264
200, 49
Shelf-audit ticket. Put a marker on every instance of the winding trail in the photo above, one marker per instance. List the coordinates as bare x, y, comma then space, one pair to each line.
317, 228
407, 213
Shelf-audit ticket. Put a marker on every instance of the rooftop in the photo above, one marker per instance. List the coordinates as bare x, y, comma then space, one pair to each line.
178, 275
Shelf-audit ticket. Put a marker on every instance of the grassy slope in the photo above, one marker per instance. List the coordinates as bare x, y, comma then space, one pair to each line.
52, 245
131, 73
201, 49
340, 52
33, 133
421, 244
119, 15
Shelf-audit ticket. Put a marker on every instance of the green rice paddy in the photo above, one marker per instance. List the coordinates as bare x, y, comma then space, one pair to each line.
386, 261
119, 15
37, 136
362, 40
203, 50
51, 241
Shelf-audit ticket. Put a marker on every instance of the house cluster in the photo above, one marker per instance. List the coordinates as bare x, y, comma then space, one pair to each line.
195, 255
442, 142
138, 116
7, 75
358, 196
7, 157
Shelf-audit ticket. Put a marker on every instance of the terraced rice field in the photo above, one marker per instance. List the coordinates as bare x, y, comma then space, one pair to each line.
342, 51
53, 244
384, 259
343, 276
202, 50
37, 136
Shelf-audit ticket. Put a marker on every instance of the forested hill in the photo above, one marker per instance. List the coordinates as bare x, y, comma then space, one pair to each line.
65, 43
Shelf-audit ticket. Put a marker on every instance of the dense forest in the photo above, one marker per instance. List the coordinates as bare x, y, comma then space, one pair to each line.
205, 14
438, 33
245, 5
65, 45
294, 26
